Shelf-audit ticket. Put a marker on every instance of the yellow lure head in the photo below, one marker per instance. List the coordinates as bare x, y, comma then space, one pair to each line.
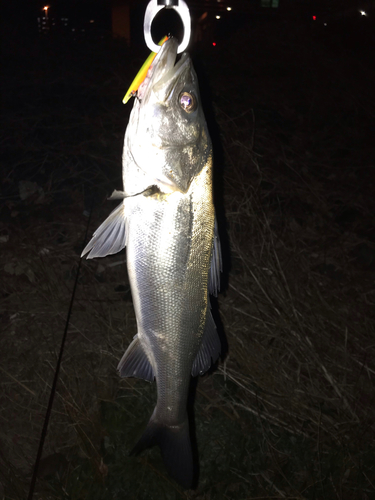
141, 75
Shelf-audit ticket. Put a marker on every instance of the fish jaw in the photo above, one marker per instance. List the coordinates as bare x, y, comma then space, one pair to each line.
165, 143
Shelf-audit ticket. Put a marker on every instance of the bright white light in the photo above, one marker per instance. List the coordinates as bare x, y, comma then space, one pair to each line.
229, 8
325, 24
363, 13
217, 17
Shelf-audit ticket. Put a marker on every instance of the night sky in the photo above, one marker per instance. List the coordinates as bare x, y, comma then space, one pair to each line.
342, 19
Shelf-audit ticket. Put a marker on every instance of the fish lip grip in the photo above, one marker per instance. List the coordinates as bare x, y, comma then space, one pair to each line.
153, 7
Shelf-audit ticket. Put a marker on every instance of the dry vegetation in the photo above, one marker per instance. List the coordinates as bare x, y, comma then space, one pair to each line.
289, 411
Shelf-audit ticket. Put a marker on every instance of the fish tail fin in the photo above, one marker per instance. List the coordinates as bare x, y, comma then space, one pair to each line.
175, 446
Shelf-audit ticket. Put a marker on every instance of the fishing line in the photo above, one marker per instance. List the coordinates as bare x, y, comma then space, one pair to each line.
56, 376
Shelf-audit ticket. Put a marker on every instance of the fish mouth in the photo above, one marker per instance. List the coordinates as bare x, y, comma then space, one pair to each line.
164, 71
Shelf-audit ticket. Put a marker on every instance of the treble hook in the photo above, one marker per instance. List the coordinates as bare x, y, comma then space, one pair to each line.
153, 8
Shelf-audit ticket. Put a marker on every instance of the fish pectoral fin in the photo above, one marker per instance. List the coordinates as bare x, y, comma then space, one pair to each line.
109, 238
209, 350
216, 264
135, 363
117, 195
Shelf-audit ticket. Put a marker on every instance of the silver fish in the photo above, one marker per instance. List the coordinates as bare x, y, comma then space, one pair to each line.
167, 222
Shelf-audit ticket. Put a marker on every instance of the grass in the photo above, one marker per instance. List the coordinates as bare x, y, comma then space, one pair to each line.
289, 411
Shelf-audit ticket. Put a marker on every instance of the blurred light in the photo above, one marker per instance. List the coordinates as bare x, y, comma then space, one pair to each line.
363, 13
217, 17
325, 24
92, 20
214, 44
229, 8
314, 18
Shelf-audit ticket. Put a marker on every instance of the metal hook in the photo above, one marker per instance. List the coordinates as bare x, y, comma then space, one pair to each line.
153, 8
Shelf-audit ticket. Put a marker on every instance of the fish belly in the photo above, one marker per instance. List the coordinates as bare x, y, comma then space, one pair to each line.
168, 255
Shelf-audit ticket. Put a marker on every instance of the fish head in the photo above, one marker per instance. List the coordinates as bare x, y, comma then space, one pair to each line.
167, 135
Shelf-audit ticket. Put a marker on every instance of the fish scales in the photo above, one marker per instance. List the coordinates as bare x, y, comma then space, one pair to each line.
170, 279
167, 222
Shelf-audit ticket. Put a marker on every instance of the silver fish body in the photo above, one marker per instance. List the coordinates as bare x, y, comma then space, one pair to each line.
167, 222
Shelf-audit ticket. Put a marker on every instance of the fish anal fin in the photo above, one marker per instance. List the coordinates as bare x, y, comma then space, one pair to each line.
135, 363
209, 350
110, 237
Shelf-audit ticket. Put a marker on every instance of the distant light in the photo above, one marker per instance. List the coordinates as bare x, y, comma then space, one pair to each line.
363, 13
229, 8
314, 18
325, 24
218, 17
92, 20
214, 44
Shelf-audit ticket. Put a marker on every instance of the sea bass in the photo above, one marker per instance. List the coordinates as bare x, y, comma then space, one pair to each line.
166, 220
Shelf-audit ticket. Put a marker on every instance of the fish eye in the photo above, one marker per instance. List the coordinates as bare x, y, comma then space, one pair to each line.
187, 102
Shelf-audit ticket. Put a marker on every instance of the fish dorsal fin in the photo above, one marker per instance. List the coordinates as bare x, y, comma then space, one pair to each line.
109, 238
216, 264
135, 363
209, 350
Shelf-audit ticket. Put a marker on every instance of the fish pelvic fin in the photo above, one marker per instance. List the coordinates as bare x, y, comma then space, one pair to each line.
175, 446
135, 363
110, 237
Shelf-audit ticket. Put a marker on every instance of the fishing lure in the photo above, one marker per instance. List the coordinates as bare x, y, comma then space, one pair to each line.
141, 75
